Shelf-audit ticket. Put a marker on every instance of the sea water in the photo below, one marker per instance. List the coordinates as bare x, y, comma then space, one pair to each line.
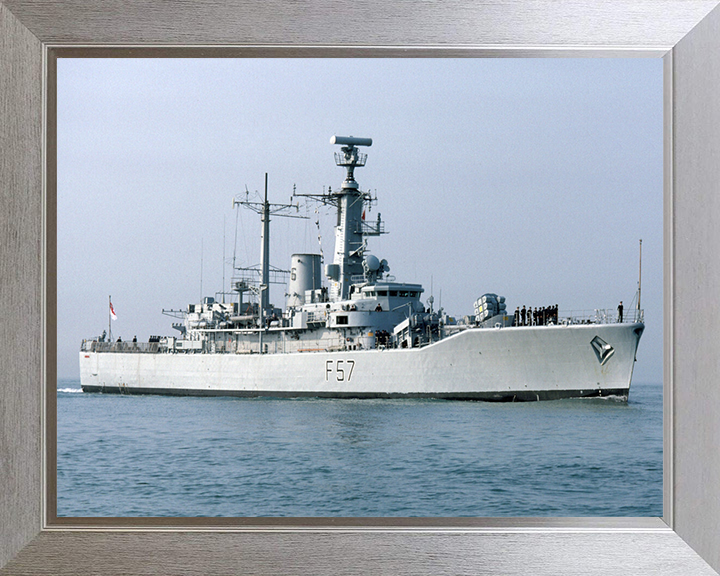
194, 456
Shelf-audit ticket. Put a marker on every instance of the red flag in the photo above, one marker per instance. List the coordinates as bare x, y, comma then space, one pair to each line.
112, 312
363, 216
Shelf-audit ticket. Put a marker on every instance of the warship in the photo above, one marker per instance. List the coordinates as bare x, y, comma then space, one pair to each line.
350, 330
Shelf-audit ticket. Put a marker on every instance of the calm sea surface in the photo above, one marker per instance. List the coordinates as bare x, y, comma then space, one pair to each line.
185, 456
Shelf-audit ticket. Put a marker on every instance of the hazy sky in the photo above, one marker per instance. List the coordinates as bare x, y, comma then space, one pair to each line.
530, 178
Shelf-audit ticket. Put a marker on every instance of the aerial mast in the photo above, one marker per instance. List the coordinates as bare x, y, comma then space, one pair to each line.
351, 227
264, 252
348, 232
265, 209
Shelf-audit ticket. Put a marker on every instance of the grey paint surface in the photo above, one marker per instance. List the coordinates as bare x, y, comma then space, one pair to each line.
571, 550
697, 273
20, 285
405, 22
321, 553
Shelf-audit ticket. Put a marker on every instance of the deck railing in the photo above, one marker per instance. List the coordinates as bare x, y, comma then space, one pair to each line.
597, 316
244, 346
601, 316
140, 347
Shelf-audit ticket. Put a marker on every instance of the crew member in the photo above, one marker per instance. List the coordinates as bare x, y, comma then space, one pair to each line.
620, 312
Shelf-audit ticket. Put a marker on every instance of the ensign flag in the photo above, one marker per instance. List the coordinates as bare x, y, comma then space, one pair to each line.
112, 312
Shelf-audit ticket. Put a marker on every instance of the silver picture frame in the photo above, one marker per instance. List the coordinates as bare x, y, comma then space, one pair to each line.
685, 33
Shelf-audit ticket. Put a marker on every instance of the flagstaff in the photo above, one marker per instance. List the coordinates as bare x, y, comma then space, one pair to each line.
639, 277
111, 316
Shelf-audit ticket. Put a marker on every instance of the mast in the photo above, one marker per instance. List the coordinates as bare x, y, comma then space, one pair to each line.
264, 253
265, 209
351, 228
348, 232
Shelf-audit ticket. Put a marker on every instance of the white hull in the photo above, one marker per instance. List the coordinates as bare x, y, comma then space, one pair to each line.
524, 363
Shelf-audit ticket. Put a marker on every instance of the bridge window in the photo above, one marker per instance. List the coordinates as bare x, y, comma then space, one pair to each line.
341, 320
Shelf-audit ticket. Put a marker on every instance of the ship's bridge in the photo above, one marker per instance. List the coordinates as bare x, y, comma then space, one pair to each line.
390, 295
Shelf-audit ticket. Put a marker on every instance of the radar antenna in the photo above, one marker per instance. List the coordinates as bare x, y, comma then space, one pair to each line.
349, 157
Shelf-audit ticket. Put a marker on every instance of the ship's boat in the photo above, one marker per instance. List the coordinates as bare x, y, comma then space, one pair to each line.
350, 330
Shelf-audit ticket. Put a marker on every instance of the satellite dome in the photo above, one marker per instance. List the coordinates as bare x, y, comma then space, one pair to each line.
372, 263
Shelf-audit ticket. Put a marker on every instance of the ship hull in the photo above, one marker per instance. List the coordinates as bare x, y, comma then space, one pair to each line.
507, 364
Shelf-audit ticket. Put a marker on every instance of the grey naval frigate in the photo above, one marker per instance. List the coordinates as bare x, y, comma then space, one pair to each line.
350, 330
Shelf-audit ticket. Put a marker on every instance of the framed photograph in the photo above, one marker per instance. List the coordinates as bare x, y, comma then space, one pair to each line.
683, 540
